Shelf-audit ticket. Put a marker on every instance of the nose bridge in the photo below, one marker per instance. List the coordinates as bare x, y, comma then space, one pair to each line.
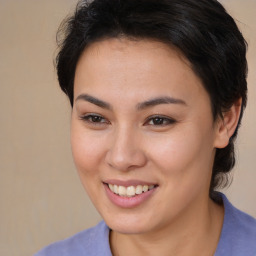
125, 151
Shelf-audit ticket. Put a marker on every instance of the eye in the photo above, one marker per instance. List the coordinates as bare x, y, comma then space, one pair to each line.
94, 119
160, 121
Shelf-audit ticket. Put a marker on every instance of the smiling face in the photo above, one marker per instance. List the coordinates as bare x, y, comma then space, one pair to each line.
141, 121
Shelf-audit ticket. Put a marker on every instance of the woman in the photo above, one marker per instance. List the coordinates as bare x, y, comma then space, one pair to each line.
157, 89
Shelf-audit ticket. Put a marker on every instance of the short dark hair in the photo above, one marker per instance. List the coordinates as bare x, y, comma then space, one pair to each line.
201, 30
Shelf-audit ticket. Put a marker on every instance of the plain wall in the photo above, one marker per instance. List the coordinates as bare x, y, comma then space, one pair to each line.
41, 197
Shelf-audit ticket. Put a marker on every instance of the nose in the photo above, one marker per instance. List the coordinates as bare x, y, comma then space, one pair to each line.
126, 150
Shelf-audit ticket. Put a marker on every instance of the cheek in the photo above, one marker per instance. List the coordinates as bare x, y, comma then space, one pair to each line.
87, 153
183, 164
183, 154
87, 150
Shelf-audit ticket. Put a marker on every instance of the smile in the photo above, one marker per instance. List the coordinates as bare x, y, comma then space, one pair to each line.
130, 191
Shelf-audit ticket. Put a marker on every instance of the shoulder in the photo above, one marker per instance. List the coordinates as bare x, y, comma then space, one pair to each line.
93, 241
238, 235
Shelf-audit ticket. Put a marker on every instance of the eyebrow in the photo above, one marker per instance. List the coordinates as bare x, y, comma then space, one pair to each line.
95, 101
140, 106
158, 101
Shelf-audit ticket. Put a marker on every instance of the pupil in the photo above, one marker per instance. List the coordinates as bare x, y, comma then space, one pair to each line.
96, 119
158, 120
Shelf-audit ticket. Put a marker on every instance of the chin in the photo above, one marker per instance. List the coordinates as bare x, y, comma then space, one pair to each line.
128, 228
129, 224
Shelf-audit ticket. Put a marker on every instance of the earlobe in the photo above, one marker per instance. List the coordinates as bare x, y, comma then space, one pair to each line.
226, 125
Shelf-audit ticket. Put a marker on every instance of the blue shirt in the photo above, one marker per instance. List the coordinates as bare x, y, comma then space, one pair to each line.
238, 238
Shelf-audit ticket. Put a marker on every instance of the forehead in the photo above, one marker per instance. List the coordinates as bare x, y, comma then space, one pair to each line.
132, 51
143, 68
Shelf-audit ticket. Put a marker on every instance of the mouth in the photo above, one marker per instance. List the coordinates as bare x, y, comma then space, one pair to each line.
130, 191
129, 194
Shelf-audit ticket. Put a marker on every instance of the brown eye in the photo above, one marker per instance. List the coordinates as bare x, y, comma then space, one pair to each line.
96, 119
160, 121
93, 119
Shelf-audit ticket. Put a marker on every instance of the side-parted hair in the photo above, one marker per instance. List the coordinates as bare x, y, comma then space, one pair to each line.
201, 30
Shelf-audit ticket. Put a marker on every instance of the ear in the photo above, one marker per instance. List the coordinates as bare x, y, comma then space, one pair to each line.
226, 125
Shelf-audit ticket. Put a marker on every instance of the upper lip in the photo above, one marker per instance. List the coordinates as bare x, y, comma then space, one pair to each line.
127, 183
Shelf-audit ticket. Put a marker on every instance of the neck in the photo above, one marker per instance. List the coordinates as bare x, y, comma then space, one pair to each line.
198, 230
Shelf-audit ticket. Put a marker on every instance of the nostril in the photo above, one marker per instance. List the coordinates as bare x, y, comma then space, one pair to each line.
125, 159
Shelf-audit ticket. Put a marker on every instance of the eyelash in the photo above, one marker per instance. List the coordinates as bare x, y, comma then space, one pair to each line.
93, 119
160, 120
157, 120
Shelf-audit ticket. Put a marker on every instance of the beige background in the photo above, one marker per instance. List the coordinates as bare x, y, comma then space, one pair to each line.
40, 195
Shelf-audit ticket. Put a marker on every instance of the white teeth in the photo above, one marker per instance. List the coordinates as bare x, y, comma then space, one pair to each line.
122, 191
111, 187
138, 190
115, 190
145, 188
129, 191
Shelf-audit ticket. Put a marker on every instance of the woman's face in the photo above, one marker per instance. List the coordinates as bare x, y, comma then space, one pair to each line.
141, 121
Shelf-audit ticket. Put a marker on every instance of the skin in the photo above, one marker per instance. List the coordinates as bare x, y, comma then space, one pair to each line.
126, 143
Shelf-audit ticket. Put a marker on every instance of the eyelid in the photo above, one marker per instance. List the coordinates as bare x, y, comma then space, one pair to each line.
166, 118
86, 117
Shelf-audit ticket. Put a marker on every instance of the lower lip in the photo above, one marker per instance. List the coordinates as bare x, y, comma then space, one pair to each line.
128, 202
